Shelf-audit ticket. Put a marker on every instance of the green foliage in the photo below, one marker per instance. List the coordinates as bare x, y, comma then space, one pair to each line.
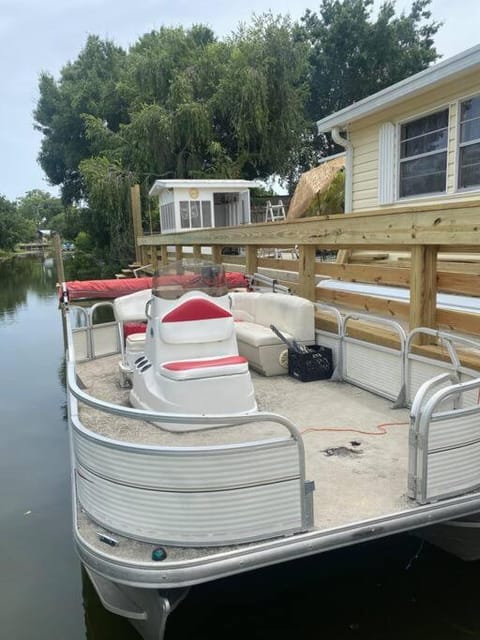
89, 85
39, 206
109, 220
181, 103
353, 56
83, 241
13, 227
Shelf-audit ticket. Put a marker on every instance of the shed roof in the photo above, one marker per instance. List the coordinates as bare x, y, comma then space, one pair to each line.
233, 185
442, 72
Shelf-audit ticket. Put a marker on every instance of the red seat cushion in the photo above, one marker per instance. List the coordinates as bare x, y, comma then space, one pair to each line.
133, 327
196, 309
185, 365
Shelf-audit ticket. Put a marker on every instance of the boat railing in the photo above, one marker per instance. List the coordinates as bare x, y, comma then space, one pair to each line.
332, 339
421, 366
207, 495
444, 442
93, 339
261, 282
372, 366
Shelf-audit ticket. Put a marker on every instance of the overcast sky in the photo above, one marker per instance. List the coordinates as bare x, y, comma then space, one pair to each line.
43, 36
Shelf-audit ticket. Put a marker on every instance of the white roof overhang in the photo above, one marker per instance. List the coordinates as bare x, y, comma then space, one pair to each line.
224, 185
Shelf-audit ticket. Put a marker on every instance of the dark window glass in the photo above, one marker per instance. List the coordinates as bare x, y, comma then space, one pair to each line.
470, 130
469, 147
470, 109
428, 124
195, 214
424, 144
423, 155
184, 215
469, 166
207, 213
423, 175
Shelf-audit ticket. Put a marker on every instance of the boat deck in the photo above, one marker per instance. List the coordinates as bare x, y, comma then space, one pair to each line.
359, 468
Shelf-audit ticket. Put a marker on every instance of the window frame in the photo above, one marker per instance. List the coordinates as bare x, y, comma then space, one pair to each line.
399, 160
459, 145
201, 211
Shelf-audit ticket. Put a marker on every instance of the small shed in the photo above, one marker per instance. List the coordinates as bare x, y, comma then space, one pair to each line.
202, 204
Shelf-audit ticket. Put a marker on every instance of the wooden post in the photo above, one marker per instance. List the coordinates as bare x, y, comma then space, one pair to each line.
251, 260
178, 252
57, 247
154, 257
423, 287
306, 271
137, 219
197, 252
164, 254
217, 254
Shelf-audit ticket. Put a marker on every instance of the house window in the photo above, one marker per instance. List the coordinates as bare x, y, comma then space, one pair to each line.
469, 144
423, 155
195, 214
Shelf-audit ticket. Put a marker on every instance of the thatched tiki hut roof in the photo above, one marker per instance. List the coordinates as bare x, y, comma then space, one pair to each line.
313, 184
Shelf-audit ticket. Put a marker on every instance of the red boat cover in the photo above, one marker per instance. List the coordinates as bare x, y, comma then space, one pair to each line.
114, 288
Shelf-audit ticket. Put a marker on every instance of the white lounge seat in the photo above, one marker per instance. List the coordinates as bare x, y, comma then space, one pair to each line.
254, 313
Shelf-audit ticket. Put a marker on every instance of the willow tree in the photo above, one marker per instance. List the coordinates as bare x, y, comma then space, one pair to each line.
109, 220
259, 104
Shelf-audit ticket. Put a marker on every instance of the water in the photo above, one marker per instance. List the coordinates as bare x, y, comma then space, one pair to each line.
376, 591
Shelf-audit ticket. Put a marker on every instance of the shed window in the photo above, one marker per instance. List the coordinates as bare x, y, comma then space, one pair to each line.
195, 214
423, 155
469, 144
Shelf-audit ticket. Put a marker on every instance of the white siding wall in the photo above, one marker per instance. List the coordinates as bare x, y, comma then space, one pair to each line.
365, 137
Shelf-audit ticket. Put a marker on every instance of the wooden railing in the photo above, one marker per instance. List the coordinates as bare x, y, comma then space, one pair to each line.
422, 232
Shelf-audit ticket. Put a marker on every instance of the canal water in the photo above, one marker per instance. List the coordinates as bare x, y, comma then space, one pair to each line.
391, 589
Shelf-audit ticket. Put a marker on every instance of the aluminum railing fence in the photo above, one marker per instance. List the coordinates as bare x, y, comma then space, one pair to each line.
92, 339
395, 373
444, 443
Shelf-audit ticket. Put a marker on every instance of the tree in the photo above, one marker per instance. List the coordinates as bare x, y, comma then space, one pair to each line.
89, 85
260, 101
13, 228
352, 55
183, 104
39, 206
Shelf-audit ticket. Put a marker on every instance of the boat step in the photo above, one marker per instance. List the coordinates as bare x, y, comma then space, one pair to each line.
119, 276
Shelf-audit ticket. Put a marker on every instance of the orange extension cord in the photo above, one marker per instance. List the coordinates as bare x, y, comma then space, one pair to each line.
382, 429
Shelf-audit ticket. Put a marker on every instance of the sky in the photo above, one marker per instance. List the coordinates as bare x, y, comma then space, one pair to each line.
40, 36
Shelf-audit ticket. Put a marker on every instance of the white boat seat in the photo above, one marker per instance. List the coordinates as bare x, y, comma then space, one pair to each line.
196, 321
204, 368
258, 335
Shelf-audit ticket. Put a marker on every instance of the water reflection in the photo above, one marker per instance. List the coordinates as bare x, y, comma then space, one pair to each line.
18, 277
